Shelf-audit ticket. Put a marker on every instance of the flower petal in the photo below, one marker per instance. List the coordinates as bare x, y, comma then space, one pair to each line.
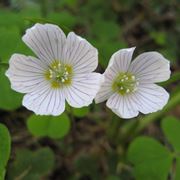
25, 73
45, 101
83, 90
46, 41
104, 93
150, 67
121, 59
105, 90
80, 54
150, 98
123, 106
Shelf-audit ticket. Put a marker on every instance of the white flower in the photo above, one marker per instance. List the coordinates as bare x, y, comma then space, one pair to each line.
129, 87
62, 71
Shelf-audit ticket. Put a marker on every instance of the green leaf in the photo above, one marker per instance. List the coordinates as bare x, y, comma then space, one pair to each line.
171, 128
107, 48
151, 160
69, 3
13, 18
51, 126
63, 19
10, 38
106, 29
159, 37
11, 43
177, 175
5, 146
31, 165
81, 112
9, 99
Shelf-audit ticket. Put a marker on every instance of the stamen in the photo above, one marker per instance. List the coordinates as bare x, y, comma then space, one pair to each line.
125, 83
59, 74
137, 83
134, 89
62, 79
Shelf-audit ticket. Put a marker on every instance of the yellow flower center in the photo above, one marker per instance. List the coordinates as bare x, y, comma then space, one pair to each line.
125, 83
59, 74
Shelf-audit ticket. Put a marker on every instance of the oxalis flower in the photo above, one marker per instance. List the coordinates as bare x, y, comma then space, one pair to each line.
62, 72
129, 86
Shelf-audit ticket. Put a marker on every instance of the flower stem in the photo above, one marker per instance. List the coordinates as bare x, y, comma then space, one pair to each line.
113, 128
71, 115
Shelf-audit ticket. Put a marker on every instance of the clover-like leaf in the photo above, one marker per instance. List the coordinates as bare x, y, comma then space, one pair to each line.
11, 35
177, 174
151, 160
51, 126
30, 165
81, 112
64, 19
171, 129
5, 145
9, 98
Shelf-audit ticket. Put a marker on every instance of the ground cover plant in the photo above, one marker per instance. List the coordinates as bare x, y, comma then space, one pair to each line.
85, 140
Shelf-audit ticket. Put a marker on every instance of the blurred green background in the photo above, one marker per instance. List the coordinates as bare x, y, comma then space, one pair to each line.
91, 143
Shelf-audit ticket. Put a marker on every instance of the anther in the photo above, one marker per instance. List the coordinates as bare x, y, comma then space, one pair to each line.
59, 65
134, 89
133, 77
